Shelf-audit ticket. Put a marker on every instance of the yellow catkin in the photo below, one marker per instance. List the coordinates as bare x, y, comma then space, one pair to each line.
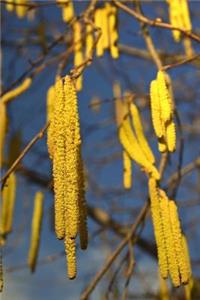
78, 54
113, 34
121, 108
130, 144
188, 46
140, 133
171, 136
162, 147
185, 15
177, 236
17, 91
21, 9
35, 230
70, 248
156, 109
127, 174
3, 126
164, 97
72, 143
89, 40
175, 18
8, 203
59, 159
158, 227
10, 6
67, 10
164, 291
50, 113
169, 238
105, 26
98, 19
186, 254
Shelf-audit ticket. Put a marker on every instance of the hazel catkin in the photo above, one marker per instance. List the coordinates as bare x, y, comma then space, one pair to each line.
35, 230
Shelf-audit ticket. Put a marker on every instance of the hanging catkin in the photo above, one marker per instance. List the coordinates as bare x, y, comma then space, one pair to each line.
169, 238
156, 109
21, 8
140, 133
131, 145
67, 10
179, 17
89, 40
178, 243
164, 97
78, 51
72, 142
17, 91
113, 34
158, 227
50, 113
3, 126
10, 6
127, 174
171, 136
35, 231
8, 202
59, 128
98, 23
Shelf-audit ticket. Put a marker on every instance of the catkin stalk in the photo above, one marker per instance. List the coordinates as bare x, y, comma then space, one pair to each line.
17, 91
35, 231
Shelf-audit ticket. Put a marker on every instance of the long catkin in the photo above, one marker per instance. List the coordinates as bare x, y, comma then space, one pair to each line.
67, 10
130, 144
35, 231
113, 34
3, 126
8, 202
98, 19
172, 256
127, 174
70, 248
59, 127
72, 142
171, 136
156, 109
10, 6
17, 91
140, 133
50, 114
21, 8
164, 97
89, 40
158, 227
177, 236
78, 51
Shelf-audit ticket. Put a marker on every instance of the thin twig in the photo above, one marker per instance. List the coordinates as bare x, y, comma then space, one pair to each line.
38, 136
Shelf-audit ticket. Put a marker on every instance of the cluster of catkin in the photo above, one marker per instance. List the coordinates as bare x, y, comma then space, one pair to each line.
135, 144
105, 18
64, 146
19, 6
8, 196
67, 10
162, 113
179, 16
173, 255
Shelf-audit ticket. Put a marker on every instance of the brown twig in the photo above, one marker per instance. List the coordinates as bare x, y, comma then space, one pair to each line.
156, 22
116, 252
38, 136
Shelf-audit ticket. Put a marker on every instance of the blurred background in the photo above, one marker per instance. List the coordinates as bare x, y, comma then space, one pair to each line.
35, 45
